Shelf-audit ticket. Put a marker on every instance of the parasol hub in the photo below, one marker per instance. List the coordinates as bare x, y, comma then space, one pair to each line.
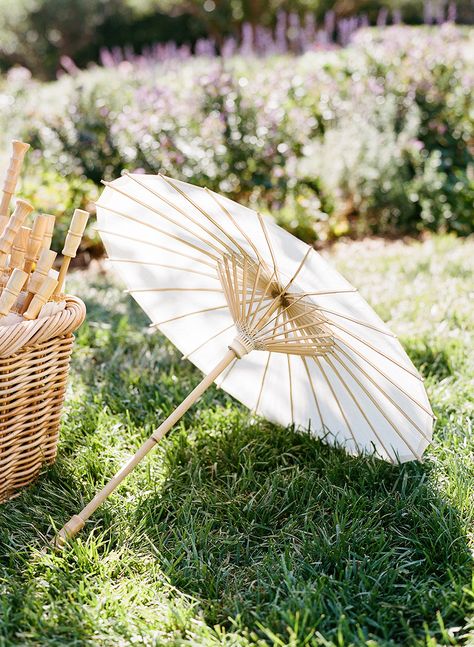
244, 342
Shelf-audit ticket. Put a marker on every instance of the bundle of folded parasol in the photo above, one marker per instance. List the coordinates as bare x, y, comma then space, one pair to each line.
30, 287
37, 321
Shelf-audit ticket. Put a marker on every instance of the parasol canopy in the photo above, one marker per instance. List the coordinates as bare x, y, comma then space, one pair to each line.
183, 251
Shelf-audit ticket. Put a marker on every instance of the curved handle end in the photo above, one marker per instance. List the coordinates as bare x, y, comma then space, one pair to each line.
69, 530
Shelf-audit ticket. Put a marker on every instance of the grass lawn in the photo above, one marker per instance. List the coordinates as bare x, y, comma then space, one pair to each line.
236, 532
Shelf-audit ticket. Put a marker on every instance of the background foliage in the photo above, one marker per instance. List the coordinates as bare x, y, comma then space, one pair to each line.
376, 137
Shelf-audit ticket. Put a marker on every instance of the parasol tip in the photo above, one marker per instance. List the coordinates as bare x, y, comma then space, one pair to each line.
68, 531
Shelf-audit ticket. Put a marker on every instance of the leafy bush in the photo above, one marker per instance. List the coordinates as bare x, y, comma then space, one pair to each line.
373, 138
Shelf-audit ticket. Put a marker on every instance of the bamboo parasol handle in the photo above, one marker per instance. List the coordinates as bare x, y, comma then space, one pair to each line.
11, 178
34, 242
11, 291
71, 244
76, 523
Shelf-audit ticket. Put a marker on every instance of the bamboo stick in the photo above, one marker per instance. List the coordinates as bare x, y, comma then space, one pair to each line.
77, 522
22, 210
49, 231
34, 243
12, 290
19, 247
11, 179
71, 244
45, 263
42, 296
113, 260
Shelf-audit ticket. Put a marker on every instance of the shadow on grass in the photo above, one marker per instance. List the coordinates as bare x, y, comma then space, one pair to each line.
436, 359
292, 537
259, 524
268, 530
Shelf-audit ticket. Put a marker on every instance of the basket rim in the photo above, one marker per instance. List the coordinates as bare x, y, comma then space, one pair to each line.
28, 333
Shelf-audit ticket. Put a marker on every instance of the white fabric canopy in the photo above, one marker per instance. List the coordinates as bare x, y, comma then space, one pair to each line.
166, 238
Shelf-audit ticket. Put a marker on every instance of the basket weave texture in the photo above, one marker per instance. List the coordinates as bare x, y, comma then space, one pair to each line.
34, 365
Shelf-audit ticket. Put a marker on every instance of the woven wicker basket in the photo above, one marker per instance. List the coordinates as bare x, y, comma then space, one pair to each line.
34, 365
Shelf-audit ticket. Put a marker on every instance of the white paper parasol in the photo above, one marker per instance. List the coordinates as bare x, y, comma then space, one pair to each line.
263, 315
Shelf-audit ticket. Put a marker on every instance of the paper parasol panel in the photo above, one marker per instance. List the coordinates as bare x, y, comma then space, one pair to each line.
206, 269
